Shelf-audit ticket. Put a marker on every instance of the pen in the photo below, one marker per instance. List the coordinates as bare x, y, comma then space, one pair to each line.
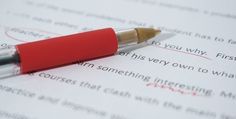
59, 51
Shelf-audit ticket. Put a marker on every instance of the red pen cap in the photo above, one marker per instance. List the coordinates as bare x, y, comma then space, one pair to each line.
63, 50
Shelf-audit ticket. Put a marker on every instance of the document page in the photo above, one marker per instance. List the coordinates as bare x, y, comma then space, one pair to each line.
187, 72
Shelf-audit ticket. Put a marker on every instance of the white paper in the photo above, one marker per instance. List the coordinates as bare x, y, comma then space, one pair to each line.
188, 72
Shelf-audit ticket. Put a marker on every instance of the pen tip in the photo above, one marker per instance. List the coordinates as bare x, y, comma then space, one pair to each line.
145, 34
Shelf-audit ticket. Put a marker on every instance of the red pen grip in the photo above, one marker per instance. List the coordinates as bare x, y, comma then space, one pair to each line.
66, 49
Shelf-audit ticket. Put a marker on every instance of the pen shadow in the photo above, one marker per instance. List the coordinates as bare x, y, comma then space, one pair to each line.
159, 38
164, 36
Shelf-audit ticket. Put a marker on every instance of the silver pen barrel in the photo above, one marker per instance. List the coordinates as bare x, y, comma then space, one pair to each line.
9, 62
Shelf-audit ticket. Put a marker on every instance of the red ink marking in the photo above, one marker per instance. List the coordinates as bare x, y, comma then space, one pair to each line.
31, 29
184, 52
172, 89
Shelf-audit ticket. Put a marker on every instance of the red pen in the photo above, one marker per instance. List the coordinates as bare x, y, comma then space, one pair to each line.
59, 51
